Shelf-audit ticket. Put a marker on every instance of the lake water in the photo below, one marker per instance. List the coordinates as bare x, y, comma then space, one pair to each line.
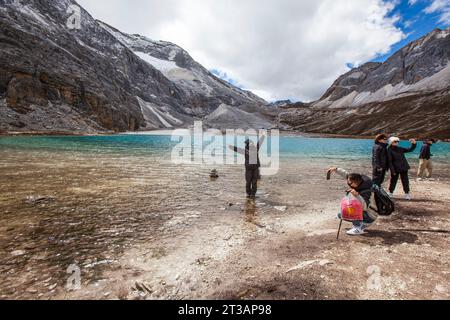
162, 145
109, 194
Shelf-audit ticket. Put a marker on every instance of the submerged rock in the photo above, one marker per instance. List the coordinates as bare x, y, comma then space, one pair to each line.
214, 174
38, 199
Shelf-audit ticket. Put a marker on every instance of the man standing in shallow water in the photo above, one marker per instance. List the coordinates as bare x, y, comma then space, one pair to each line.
252, 164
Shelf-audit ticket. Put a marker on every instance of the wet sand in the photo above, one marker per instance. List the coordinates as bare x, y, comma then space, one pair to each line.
141, 228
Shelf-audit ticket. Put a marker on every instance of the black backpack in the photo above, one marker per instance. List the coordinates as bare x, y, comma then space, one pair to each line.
385, 205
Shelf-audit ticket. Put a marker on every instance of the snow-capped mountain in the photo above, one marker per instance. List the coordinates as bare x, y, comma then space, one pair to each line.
54, 77
179, 67
408, 94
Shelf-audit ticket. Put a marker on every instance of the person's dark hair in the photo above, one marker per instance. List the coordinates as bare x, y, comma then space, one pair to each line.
380, 137
431, 140
355, 177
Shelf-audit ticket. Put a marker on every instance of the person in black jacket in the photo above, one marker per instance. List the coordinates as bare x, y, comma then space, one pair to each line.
399, 166
380, 161
252, 165
425, 160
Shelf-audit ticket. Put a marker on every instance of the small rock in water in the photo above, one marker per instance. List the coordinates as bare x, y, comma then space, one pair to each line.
281, 208
18, 253
38, 199
214, 174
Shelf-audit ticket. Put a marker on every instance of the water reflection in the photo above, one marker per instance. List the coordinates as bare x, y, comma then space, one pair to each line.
251, 215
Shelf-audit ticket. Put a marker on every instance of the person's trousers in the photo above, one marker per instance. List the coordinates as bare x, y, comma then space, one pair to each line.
378, 176
405, 181
359, 224
251, 177
425, 166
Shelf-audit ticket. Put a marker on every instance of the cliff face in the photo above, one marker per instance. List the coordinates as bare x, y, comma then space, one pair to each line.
408, 95
61, 79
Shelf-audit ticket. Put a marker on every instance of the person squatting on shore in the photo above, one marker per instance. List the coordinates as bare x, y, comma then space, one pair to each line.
360, 188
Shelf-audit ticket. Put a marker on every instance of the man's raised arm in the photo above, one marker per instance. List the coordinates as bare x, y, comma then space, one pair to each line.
236, 149
261, 141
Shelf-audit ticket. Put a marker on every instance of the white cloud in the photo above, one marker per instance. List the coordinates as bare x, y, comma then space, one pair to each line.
442, 7
280, 49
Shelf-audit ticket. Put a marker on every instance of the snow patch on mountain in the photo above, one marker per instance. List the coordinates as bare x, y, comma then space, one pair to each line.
438, 81
162, 65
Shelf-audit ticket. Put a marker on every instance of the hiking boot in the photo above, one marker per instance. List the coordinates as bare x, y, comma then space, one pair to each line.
408, 197
355, 232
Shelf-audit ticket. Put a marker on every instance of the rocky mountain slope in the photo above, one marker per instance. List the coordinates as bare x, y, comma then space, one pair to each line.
59, 79
409, 95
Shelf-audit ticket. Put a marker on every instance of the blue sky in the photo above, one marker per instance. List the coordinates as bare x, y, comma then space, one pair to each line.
414, 22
